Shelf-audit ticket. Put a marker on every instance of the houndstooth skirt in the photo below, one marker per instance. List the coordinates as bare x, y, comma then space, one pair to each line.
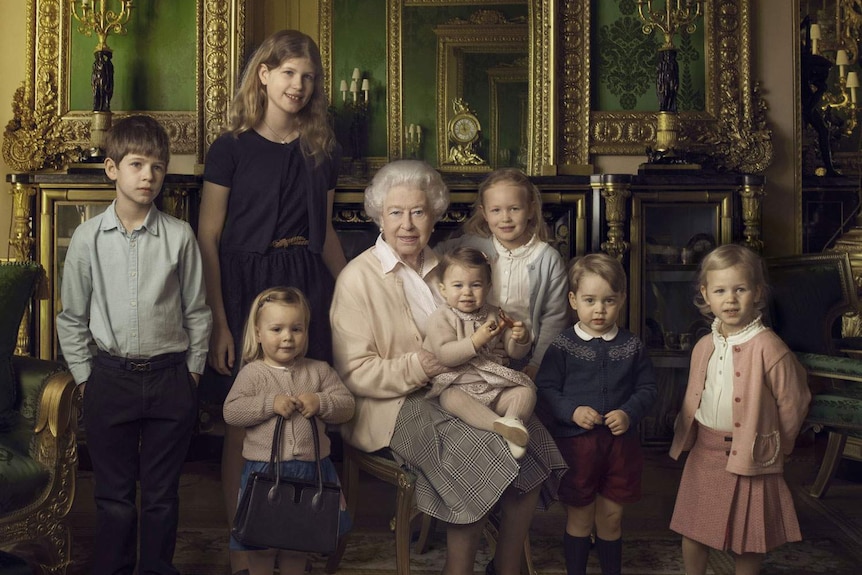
738, 513
462, 471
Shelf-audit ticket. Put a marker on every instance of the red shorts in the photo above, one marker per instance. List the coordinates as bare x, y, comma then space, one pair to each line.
601, 464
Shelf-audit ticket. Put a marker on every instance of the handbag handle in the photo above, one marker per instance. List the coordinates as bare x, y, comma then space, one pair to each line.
275, 461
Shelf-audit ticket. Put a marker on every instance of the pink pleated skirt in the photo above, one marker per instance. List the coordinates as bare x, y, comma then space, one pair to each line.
736, 513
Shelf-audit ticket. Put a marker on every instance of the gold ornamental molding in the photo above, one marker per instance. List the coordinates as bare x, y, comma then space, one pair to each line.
220, 28
732, 123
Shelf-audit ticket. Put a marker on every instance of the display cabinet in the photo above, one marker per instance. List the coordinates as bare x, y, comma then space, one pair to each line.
58, 204
661, 226
566, 205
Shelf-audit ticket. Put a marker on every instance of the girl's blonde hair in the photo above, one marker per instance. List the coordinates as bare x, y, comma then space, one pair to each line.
603, 265
727, 256
476, 224
251, 349
249, 104
465, 257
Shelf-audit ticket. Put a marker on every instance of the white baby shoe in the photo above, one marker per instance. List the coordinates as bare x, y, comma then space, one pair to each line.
515, 434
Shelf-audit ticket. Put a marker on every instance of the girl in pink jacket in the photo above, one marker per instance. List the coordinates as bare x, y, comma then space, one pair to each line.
746, 398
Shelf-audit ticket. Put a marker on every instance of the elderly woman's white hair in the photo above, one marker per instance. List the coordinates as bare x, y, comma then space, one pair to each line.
414, 173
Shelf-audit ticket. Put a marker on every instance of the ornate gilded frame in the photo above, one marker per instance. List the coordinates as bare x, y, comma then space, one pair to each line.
733, 121
541, 55
220, 40
453, 41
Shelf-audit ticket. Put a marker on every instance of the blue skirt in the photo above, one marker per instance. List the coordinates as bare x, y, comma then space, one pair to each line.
306, 470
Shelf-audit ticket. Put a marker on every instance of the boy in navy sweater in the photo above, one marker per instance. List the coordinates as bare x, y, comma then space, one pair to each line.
597, 382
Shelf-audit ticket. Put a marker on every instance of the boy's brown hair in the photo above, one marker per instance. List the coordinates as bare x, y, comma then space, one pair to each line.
606, 267
138, 134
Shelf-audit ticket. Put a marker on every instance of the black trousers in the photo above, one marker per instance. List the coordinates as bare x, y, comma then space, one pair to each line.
139, 426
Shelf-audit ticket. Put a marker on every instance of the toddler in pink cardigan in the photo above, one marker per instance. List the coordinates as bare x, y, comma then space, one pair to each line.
746, 398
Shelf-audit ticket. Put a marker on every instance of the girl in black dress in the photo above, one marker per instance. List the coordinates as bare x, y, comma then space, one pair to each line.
266, 208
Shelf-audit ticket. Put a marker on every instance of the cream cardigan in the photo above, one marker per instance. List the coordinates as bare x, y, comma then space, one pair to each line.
375, 345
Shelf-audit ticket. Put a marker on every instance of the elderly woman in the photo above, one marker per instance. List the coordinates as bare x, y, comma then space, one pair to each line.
379, 311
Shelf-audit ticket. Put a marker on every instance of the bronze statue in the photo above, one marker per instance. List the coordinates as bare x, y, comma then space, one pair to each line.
667, 80
103, 81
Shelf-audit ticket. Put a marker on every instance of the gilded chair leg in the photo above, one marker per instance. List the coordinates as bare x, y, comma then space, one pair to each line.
428, 525
403, 507
350, 486
834, 451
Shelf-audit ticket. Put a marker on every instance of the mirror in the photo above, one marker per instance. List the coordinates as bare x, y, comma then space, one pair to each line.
218, 41
496, 53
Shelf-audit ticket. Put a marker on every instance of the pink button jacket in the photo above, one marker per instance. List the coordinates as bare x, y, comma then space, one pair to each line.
770, 400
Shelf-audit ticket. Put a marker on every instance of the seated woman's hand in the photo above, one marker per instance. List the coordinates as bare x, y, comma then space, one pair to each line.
430, 365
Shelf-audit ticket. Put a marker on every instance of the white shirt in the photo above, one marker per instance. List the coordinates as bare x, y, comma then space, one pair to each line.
420, 291
510, 287
607, 336
716, 405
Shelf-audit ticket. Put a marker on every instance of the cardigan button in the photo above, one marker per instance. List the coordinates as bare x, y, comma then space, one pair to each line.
733, 452
738, 374
737, 424
738, 399
736, 348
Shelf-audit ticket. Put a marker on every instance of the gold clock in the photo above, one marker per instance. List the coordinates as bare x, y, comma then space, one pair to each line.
464, 128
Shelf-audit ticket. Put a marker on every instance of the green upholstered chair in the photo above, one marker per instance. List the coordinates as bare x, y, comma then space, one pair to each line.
38, 452
809, 296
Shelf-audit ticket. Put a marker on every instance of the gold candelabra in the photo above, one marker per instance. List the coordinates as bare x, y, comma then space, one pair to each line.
102, 21
677, 15
96, 16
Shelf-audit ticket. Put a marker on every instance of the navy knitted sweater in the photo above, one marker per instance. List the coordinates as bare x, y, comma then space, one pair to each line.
605, 375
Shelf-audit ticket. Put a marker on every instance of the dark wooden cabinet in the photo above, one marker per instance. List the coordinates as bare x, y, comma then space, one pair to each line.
661, 225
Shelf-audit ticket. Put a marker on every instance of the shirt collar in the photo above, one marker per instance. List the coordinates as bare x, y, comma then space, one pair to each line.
607, 336
519, 252
151, 222
389, 260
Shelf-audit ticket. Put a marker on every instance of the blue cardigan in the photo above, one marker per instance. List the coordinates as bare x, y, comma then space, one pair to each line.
605, 375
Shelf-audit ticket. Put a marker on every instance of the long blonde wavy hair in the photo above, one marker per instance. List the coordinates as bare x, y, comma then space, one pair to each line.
249, 104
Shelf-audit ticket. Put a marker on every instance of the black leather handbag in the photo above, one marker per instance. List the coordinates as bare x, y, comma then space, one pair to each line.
286, 513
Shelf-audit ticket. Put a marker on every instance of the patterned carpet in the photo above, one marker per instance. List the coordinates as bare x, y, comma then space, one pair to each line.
832, 530
203, 552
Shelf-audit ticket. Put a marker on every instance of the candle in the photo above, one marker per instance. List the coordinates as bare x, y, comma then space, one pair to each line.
814, 33
418, 133
852, 83
353, 89
411, 130
843, 60
365, 88
356, 74
343, 90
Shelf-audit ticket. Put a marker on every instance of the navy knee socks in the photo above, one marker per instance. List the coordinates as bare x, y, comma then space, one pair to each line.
610, 555
576, 551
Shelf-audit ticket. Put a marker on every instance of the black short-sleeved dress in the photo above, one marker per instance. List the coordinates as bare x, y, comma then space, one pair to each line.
275, 194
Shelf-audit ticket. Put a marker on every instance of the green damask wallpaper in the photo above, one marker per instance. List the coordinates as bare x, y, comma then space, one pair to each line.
623, 61
154, 63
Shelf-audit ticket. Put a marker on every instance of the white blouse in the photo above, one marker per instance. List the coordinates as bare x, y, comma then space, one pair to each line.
511, 281
716, 405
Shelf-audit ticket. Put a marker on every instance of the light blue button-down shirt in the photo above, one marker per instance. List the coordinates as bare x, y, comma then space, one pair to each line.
137, 294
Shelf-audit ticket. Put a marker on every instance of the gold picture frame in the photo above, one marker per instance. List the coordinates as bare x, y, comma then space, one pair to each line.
220, 42
733, 121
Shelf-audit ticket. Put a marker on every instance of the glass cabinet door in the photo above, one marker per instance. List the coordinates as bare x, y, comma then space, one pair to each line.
671, 232
60, 217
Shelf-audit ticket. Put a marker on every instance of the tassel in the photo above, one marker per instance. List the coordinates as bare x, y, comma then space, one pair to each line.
40, 289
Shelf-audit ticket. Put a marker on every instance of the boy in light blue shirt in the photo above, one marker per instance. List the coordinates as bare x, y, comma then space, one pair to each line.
134, 330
